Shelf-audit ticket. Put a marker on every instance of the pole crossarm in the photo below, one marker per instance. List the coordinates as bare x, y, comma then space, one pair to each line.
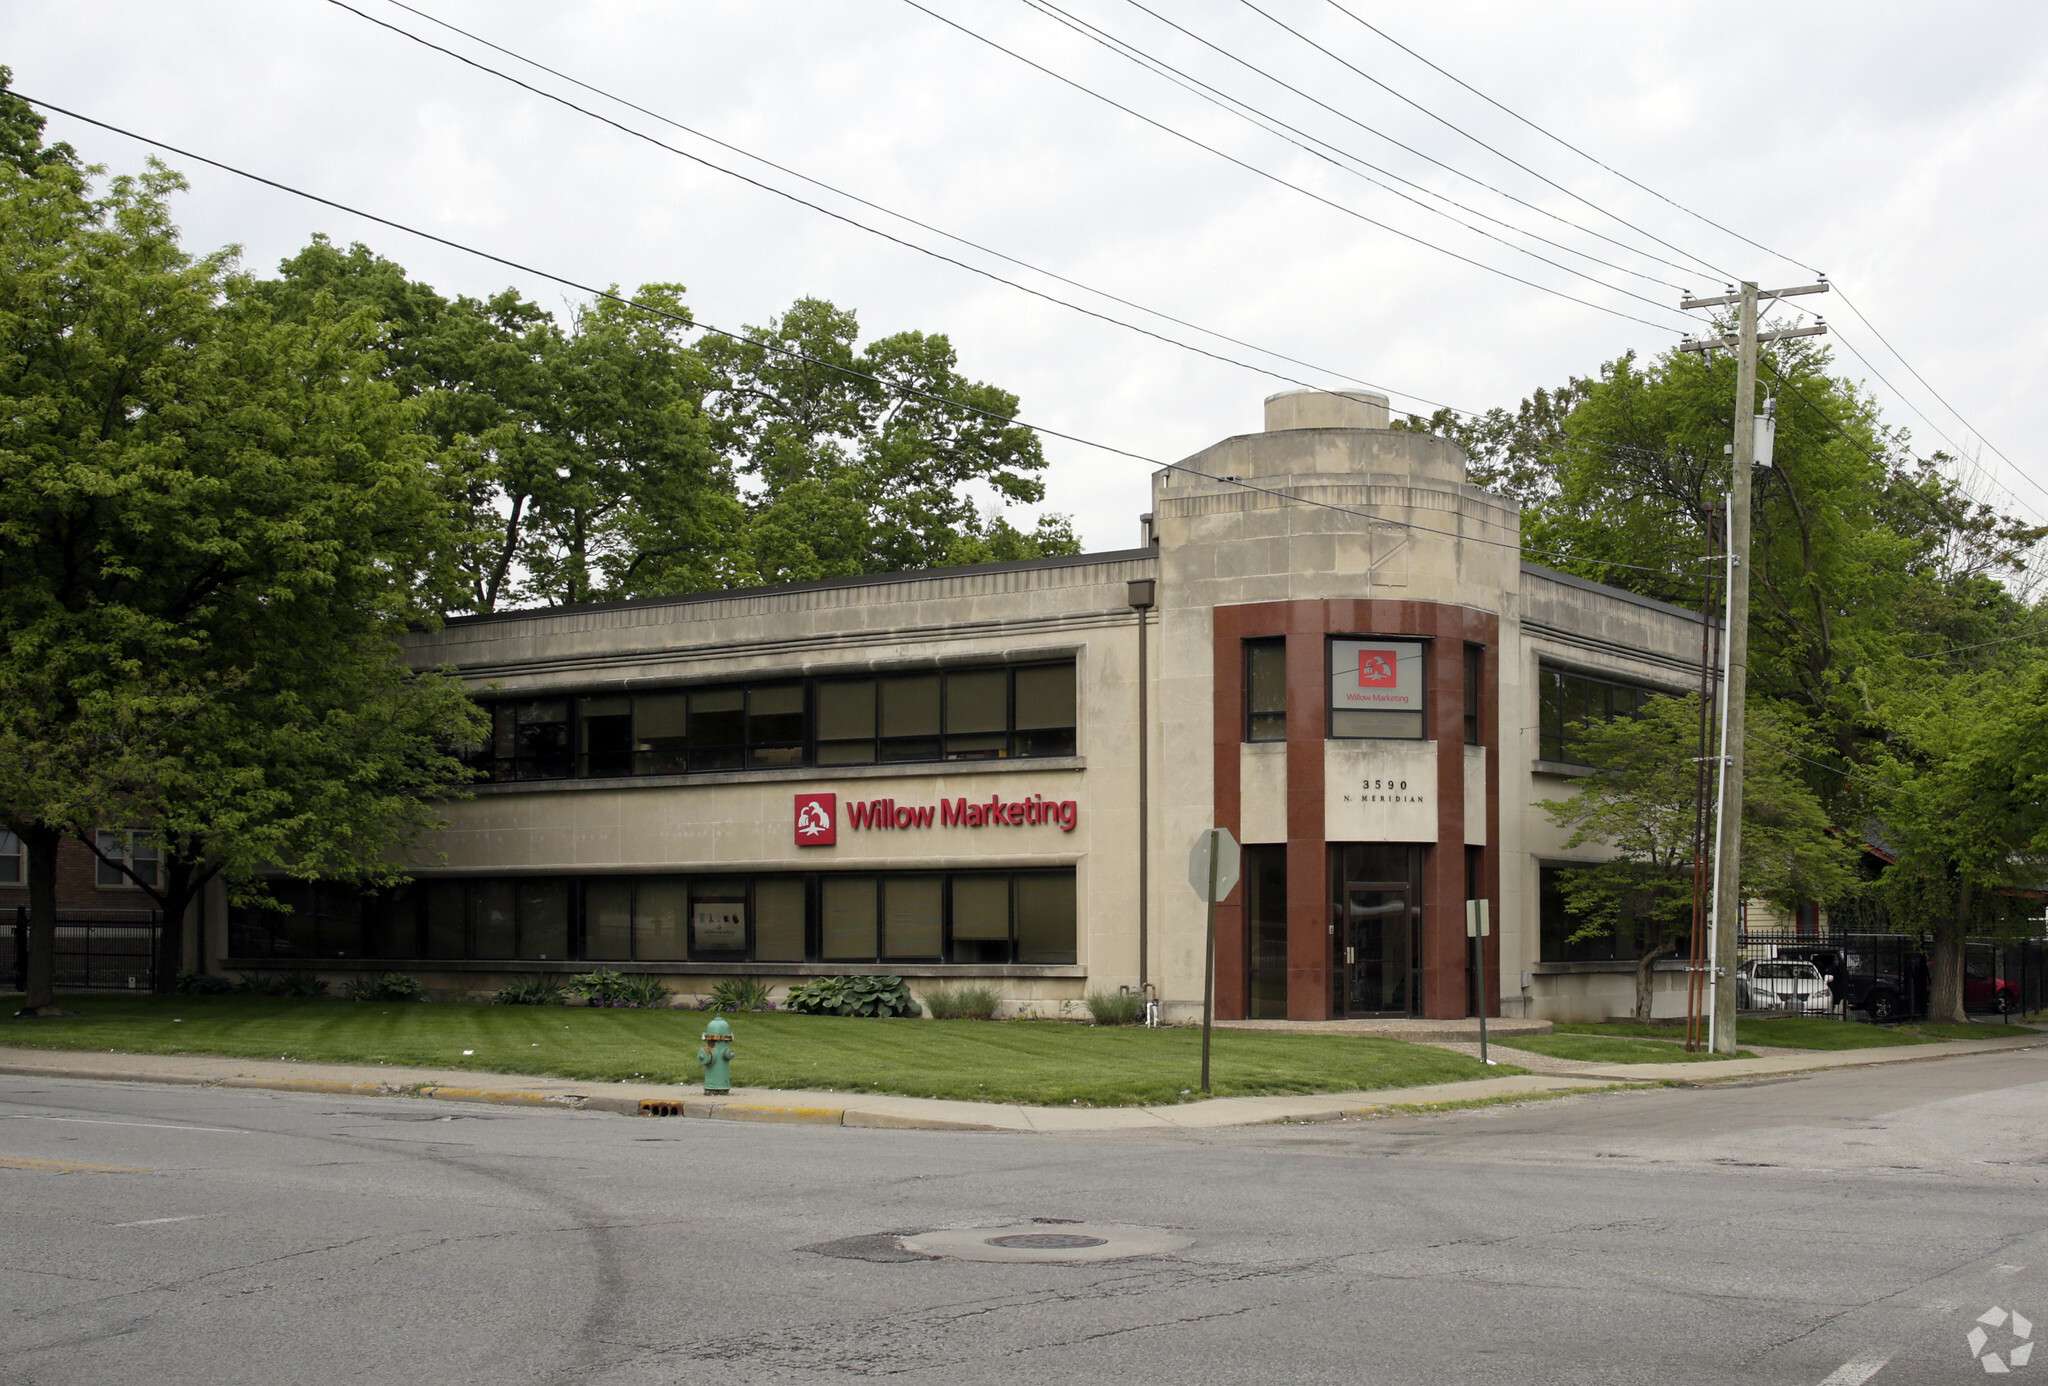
1733, 341
1689, 303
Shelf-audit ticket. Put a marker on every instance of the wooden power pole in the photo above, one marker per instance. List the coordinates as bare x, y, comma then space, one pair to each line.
1728, 837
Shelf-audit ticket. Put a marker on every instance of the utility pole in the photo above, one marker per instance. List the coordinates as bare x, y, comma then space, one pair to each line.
1728, 850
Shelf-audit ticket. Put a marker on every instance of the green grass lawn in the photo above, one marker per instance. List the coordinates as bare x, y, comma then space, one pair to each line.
1606, 1048
1042, 1062
1799, 1032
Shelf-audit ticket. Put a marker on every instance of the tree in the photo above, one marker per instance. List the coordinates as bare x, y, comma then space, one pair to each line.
213, 528
21, 134
1641, 803
1966, 818
862, 460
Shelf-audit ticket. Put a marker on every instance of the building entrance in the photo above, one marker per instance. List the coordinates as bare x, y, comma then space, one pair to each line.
1376, 928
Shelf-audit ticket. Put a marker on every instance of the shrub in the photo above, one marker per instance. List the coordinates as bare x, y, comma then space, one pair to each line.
282, 984
392, 986
962, 1003
877, 996
739, 994
605, 987
529, 991
204, 984
1116, 1007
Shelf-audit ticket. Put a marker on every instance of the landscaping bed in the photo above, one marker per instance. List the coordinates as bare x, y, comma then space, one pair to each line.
1039, 1062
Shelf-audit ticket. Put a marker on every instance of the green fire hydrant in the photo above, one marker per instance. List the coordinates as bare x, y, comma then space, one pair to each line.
716, 1056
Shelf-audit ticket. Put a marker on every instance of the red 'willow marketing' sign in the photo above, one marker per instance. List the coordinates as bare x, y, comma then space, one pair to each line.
961, 813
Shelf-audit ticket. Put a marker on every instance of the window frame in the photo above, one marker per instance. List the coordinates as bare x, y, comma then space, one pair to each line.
1425, 644
1553, 744
1253, 649
506, 758
107, 877
330, 921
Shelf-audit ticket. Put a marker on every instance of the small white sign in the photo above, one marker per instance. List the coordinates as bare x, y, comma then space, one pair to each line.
1478, 918
720, 926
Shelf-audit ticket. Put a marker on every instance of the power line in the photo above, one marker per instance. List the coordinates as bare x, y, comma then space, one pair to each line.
1256, 171
840, 216
894, 387
1399, 96
935, 230
1932, 391
1216, 96
1621, 448
1559, 139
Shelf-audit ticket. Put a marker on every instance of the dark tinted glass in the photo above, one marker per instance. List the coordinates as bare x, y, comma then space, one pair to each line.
605, 727
910, 717
542, 740
718, 729
775, 725
1265, 681
977, 714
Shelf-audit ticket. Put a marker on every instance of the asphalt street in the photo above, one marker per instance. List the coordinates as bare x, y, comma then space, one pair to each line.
1795, 1231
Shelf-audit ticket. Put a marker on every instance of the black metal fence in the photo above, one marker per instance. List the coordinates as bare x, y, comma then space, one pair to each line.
1884, 976
97, 950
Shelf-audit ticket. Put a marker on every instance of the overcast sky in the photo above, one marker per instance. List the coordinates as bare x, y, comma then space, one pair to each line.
1887, 145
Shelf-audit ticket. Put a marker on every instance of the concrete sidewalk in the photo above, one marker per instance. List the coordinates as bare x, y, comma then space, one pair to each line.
881, 1110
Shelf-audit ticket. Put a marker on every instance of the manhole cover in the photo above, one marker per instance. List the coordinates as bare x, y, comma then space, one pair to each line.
1083, 1241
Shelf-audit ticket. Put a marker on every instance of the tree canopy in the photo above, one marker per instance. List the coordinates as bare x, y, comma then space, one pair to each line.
214, 525
609, 457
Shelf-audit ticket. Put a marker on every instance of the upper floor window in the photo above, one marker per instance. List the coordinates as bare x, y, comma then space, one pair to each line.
128, 848
987, 713
1565, 697
1474, 657
10, 859
1265, 690
1377, 688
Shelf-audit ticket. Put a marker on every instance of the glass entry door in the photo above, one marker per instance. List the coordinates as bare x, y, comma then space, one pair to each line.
1378, 937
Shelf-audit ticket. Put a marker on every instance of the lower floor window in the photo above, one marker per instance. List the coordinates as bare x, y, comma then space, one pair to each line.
1559, 921
987, 917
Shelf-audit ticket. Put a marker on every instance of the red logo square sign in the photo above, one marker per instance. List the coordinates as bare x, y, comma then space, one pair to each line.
817, 820
1377, 669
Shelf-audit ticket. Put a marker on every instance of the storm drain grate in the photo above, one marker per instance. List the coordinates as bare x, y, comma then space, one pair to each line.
655, 1106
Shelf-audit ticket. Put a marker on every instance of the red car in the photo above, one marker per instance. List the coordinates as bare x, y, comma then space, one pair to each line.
1983, 991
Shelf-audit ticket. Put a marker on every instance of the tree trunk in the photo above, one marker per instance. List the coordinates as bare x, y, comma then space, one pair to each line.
1945, 967
39, 985
180, 887
1646, 968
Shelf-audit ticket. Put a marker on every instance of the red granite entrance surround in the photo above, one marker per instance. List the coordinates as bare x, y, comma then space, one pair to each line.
1306, 625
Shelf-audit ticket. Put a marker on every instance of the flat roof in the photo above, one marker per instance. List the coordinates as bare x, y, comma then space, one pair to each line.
1064, 560
1621, 593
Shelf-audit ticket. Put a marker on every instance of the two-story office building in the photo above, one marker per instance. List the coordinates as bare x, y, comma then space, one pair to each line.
1327, 643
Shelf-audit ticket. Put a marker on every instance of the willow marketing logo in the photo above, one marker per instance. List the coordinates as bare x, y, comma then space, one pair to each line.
2001, 1341
817, 820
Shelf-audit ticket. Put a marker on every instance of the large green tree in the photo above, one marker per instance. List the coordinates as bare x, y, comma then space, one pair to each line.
1642, 804
868, 459
1964, 803
214, 526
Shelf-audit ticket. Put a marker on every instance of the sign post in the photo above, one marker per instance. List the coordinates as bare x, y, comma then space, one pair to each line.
1478, 925
1212, 870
